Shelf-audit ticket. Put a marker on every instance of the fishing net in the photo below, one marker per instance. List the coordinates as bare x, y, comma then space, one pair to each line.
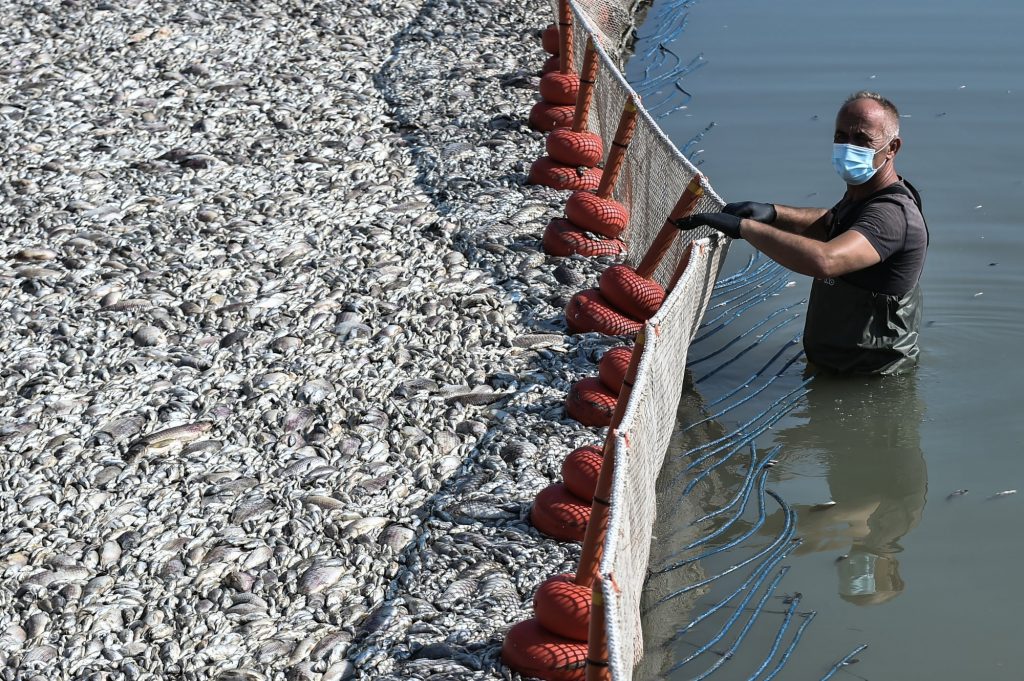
654, 176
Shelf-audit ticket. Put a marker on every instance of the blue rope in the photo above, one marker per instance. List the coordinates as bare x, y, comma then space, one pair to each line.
746, 628
753, 377
792, 646
778, 637
752, 395
726, 439
746, 333
784, 536
763, 272
757, 575
747, 300
742, 272
767, 424
760, 339
735, 542
843, 662
766, 461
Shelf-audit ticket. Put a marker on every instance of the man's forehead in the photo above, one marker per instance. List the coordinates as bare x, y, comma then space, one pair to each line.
861, 113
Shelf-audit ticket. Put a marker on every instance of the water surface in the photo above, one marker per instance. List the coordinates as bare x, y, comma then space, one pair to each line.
930, 583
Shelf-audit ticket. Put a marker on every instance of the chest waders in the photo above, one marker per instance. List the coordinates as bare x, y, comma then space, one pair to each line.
850, 329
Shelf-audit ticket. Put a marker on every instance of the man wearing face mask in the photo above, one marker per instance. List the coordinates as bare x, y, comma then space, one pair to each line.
866, 253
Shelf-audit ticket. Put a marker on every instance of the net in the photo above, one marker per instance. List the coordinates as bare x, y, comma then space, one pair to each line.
654, 176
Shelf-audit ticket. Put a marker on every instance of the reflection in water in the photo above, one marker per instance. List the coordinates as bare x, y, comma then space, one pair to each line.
866, 435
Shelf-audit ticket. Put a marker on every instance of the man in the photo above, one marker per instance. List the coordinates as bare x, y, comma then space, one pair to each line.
866, 253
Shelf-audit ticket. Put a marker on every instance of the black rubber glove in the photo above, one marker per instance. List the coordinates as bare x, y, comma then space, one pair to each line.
728, 225
762, 212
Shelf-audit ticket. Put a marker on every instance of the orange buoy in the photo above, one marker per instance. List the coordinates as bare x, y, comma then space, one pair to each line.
589, 311
546, 117
579, 147
627, 291
574, 148
580, 470
563, 607
548, 172
595, 214
549, 39
533, 651
611, 370
559, 88
559, 513
590, 403
562, 239
550, 66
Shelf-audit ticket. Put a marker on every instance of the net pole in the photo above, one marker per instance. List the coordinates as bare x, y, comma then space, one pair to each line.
565, 46
617, 155
597, 642
597, 527
663, 241
588, 76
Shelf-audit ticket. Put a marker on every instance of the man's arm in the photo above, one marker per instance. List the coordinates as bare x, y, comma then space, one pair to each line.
848, 252
811, 222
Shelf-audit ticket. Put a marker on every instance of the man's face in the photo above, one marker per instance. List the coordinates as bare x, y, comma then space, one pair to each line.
862, 123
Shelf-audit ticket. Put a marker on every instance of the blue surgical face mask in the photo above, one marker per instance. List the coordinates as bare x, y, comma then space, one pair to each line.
855, 164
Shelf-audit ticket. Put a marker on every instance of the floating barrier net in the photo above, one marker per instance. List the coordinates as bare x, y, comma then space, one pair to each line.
654, 176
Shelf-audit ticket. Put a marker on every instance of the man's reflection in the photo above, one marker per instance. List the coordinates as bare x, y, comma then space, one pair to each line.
865, 434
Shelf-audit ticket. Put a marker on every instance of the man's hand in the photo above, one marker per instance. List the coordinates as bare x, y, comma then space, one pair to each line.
762, 212
725, 223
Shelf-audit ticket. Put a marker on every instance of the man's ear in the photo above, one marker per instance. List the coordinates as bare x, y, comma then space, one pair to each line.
895, 145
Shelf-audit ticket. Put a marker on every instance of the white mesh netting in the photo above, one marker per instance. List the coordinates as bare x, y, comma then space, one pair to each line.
653, 178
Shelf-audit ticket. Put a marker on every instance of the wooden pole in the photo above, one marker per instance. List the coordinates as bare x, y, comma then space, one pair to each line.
617, 155
659, 247
588, 76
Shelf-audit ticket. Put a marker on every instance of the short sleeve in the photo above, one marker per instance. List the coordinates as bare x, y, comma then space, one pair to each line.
884, 225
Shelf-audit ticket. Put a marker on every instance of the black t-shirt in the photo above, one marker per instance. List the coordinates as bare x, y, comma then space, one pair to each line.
891, 221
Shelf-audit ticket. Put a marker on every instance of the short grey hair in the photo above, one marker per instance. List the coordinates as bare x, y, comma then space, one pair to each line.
892, 128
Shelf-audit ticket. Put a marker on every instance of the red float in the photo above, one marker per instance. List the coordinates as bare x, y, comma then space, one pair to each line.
559, 88
533, 651
636, 296
595, 214
548, 172
611, 370
590, 403
559, 513
580, 470
589, 311
549, 39
563, 607
550, 66
574, 148
546, 117
562, 239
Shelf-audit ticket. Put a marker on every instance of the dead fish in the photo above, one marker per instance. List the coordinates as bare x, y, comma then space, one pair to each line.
956, 493
320, 577
842, 557
822, 506
169, 436
1004, 493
